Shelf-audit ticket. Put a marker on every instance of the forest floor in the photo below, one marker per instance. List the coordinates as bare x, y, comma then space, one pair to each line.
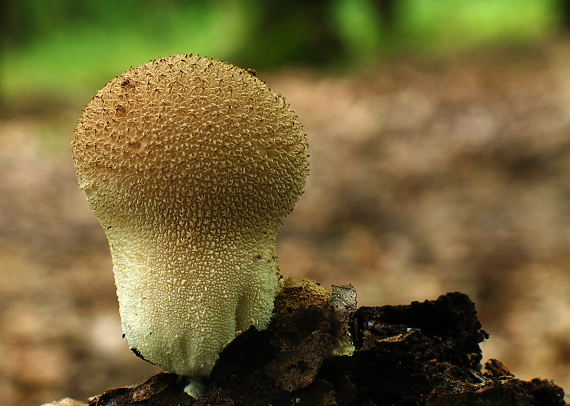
427, 177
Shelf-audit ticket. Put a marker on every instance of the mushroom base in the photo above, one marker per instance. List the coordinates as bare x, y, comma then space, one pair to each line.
180, 313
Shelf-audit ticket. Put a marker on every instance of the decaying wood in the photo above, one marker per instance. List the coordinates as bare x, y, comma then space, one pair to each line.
425, 353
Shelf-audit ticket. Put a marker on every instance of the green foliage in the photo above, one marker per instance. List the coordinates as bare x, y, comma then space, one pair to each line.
101, 40
75, 46
449, 24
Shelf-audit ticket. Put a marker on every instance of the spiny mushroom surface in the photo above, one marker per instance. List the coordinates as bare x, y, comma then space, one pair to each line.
190, 165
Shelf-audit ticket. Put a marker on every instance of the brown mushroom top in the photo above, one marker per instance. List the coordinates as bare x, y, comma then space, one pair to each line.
200, 127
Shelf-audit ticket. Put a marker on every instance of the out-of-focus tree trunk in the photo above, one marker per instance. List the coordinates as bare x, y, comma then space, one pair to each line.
565, 15
387, 11
4, 27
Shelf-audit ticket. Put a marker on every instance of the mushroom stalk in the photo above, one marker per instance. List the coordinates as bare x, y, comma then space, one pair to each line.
190, 166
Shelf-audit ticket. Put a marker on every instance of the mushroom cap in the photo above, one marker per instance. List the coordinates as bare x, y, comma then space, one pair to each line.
190, 165
189, 130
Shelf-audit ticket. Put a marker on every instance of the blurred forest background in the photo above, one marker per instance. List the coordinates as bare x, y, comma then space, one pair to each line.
440, 147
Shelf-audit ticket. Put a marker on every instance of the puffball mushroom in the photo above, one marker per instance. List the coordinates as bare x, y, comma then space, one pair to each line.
190, 166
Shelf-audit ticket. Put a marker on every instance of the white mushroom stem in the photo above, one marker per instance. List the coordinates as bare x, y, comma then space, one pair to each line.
190, 165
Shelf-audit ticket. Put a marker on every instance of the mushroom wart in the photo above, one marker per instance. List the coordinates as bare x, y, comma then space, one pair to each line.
190, 165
